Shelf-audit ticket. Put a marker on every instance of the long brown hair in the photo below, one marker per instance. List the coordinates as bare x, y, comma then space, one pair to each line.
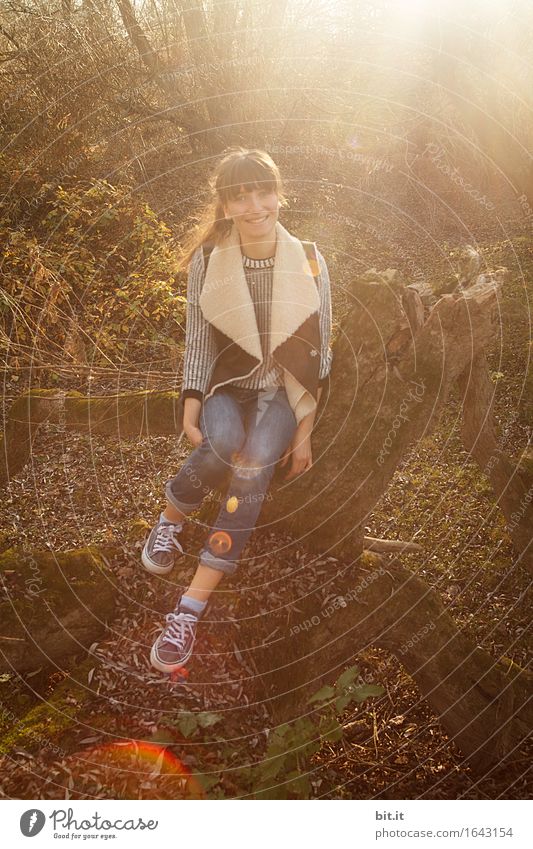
239, 166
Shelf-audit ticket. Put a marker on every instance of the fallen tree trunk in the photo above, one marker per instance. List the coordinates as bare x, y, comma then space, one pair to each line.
512, 484
403, 372
483, 704
54, 606
128, 414
402, 382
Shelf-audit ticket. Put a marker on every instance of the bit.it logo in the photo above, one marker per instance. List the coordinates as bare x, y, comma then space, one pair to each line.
32, 822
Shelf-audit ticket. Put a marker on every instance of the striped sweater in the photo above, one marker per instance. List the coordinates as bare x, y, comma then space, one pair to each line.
200, 346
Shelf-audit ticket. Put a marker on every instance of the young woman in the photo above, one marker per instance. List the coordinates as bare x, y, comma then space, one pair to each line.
257, 352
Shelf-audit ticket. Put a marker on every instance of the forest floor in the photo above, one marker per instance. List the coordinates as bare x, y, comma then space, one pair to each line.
81, 491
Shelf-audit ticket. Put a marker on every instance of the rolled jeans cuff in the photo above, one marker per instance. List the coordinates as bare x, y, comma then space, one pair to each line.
229, 567
180, 505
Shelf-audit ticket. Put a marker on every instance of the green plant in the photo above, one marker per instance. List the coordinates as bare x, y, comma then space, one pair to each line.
282, 770
291, 745
96, 281
191, 723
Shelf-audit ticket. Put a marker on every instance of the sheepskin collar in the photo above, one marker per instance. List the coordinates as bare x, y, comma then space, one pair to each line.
226, 302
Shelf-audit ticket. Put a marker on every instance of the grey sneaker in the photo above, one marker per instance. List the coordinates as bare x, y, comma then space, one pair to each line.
159, 552
174, 646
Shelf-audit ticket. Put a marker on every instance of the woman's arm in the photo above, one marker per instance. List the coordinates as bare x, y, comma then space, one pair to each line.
325, 319
325, 316
200, 345
300, 449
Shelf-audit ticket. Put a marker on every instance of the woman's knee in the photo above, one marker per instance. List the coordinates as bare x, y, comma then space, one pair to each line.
221, 447
257, 469
222, 429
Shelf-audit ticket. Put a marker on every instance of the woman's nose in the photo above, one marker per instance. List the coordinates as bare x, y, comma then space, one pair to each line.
254, 203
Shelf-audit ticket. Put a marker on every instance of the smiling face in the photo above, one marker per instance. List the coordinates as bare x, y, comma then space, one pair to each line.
254, 209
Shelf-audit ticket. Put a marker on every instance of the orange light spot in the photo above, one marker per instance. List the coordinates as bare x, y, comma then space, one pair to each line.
123, 767
179, 673
220, 542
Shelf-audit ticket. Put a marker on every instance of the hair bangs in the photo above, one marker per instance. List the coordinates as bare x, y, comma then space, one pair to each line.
249, 174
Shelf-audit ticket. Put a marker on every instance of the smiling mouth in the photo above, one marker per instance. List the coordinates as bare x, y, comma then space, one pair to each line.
256, 220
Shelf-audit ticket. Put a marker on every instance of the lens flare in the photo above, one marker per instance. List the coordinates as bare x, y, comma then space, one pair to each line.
220, 542
146, 770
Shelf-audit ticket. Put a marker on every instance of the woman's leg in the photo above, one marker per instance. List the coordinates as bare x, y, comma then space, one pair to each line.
205, 580
173, 514
270, 423
225, 439
223, 433
206, 466
269, 426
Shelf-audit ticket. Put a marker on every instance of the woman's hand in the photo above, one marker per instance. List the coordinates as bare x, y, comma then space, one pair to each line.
194, 433
191, 417
300, 451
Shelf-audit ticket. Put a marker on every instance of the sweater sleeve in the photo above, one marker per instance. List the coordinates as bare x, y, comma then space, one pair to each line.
200, 345
325, 315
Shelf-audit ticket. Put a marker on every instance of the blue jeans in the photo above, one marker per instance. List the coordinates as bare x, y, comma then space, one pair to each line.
245, 433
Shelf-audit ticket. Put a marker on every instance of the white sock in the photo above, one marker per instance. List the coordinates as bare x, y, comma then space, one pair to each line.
193, 604
165, 521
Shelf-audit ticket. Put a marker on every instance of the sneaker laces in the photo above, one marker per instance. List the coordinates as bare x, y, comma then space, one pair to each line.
180, 626
165, 539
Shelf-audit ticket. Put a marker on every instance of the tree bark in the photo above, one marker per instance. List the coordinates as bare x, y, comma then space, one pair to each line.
512, 485
483, 704
54, 606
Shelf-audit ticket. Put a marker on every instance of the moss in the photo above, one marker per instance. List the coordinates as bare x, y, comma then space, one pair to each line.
370, 560
14, 701
27, 407
511, 668
43, 727
49, 574
137, 530
131, 413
